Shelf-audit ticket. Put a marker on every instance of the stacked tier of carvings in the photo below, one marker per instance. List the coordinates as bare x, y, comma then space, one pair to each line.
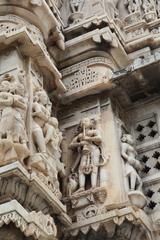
77, 8
148, 9
142, 5
42, 153
92, 162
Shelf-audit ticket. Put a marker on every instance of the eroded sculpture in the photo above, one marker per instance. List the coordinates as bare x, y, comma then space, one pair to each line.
89, 156
13, 106
41, 155
132, 165
47, 140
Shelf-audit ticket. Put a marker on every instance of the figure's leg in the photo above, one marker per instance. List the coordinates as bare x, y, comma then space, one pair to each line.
94, 176
82, 177
133, 178
39, 139
95, 159
139, 183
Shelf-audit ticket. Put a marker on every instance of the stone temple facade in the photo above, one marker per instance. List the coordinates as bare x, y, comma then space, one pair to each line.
79, 119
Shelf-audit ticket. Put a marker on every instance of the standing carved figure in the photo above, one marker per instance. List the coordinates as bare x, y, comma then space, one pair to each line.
132, 165
41, 111
87, 143
40, 114
53, 139
13, 108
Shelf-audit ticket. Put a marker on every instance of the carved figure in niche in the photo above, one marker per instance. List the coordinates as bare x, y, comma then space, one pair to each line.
47, 139
41, 113
148, 6
53, 138
12, 123
87, 143
111, 8
133, 5
132, 165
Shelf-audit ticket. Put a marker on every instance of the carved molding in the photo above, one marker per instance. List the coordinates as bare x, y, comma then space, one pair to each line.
117, 217
30, 191
33, 224
14, 28
89, 75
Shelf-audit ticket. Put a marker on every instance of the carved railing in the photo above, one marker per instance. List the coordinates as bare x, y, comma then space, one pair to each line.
141, 23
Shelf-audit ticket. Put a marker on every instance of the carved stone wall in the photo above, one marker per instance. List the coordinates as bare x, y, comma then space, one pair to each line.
79, 119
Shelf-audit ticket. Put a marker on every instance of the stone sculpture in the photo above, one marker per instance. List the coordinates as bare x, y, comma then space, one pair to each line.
47, 140
53, 138
87, 143
13, 106
132, 165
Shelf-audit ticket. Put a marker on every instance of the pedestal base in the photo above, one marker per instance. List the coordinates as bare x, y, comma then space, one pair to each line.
137, 199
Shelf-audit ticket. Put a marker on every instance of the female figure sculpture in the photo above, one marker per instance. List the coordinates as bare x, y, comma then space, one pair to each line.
132, 165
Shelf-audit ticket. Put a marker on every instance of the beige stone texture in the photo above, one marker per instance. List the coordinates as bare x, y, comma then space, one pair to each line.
79, 119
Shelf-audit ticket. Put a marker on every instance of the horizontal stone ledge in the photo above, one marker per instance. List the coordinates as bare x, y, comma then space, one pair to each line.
35, 186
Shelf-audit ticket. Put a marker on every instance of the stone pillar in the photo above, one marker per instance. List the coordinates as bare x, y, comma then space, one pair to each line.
115, 173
